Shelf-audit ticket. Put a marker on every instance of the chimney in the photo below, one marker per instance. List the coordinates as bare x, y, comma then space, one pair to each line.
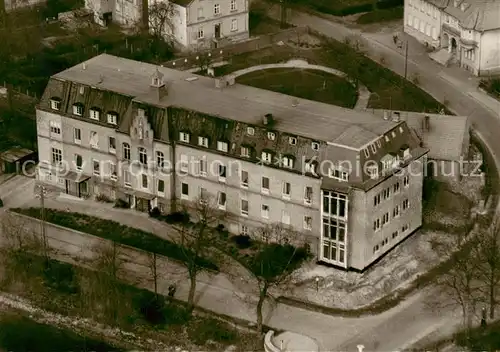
267, 119
396, 116
426, 123
158, 87
84, 65
386, 115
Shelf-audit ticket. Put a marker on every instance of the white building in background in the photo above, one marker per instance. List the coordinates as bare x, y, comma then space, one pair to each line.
468, 30
194, 23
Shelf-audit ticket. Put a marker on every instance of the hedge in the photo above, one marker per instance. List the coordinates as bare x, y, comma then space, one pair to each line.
114, 231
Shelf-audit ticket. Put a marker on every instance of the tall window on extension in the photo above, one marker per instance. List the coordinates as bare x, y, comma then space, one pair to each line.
334, 218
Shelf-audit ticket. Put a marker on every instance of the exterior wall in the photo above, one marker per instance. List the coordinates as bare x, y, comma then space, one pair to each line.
295, 206
127, 12
489, 61
179, 24
208, 20
99, 7
422, 20
362, 249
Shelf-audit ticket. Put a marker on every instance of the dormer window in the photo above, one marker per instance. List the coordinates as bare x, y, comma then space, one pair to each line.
288, 161
387, 139
267, 157
245, 152
292, 140
373, 148
388, 161
338, 173
94, 114
184, 137
55, 104
222, 146
406, 153
315, 146
372, 171
112, 118
203, 142
78, 109
250, 131
367, 152
310, 167
271, 136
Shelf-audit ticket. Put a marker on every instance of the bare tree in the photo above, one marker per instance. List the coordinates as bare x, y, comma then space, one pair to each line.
153, 267
196, 240
487, 253
274, 262
458, 284
160, 19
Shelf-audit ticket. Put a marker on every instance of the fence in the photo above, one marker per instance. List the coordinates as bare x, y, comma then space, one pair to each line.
25, 93
252, 44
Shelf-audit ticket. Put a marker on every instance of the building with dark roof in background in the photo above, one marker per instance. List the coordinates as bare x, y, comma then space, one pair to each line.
158, 137
464, 31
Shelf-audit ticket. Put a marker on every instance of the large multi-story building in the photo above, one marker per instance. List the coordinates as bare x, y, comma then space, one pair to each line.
469, 30
192, 24
349, 182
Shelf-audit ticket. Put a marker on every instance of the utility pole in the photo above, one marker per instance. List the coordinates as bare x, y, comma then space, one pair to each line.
42, 191
283, 14
406, 59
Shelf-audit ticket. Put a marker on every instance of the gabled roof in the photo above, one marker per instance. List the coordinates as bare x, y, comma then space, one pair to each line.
446, 138
238, 102
479, 15
183, 3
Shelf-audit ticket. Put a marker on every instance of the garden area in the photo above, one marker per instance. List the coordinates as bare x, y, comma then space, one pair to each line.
346, 7
389, 90
383, 15
491, 86
307, 84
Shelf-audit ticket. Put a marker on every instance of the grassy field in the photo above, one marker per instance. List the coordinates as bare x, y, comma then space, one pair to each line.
308, 84
389, 90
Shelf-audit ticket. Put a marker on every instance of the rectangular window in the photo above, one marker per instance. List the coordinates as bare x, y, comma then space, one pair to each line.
245, 152
200, 13
222, 146
216, 9
308, 194
287, 190
203, 167
406, 204
184, 191
203, 142
112, 171
96, 167
233, 5
94, 114
287, 162
127, 178
221, 200
376, 225
144, 181
265, 185
285, 217
77, 110
78, 161
94, 140
406, 181
385, 219
267, 157
307, 223
204, 196
244, 207
161, 186
77, 134
234, 25
184, 163
55, 128
271, 136
265, 211
244, 178
184, 137
376, 200
56, 156
55, 104
396, 211
338, 174
395, 234
396, 187
112, 119
112, 145
201, 33
222, 173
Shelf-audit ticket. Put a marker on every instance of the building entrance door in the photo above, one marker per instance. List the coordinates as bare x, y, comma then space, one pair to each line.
217, 31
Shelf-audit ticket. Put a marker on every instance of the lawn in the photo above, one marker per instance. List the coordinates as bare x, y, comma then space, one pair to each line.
385, 15
344, 7
114, 231
389, 90
308, 84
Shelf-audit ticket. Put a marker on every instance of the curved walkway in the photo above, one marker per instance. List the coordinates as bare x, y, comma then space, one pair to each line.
363, 92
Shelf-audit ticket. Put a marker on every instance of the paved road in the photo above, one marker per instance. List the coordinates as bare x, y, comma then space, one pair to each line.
416, 320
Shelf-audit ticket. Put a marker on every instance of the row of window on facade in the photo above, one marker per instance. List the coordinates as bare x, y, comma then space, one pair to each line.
378, 143
425, 7
244, 205
386, 240
396, 212
386, 192
422, 26
201, 30
78, 110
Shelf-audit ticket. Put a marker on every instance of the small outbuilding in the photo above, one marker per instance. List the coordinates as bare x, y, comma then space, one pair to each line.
17, 159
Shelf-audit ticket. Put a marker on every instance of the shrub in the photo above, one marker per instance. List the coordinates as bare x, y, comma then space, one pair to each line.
220, 227
151, 307
155, 212
178, 217
120, 203
214, 330
103, 198
242, 241
60, 276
